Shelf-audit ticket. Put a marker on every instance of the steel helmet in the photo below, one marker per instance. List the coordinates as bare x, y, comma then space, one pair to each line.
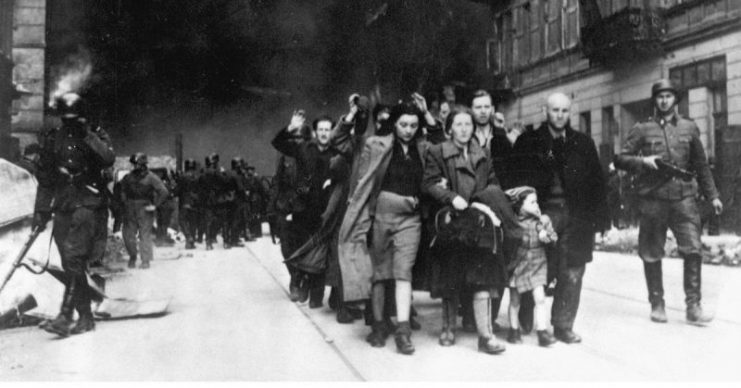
237, 163
70, 106
664, 85
212, 160
189, 164
138, 158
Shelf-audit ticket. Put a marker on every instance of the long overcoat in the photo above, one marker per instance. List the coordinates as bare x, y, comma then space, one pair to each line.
584, 183
353, 250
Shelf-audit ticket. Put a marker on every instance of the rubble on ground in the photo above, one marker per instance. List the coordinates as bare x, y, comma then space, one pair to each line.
716, 250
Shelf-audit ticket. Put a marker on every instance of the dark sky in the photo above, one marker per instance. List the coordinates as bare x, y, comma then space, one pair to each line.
227, 74
222, 52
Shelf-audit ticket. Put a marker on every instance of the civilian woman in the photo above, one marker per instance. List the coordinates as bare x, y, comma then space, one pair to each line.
455, 171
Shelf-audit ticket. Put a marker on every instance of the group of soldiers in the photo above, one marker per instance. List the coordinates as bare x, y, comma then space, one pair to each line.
211, 200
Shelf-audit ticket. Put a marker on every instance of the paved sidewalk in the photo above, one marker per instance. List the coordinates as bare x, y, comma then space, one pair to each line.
231, 319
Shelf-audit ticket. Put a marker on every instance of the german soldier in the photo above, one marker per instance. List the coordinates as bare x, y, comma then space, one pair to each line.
71, 187
666, 199
187, 192
142, 191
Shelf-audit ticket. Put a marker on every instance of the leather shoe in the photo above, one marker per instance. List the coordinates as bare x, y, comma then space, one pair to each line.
404, 343
144, 265
84, 324
447, 338
514, 336
377, 337
59, 326
132, 263
545, 339
695, 316
658, 314
566, 336
344, 316
490, 345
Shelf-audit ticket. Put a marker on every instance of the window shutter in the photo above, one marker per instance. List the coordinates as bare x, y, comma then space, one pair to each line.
536, 33
571, 23
521, 37
553, 10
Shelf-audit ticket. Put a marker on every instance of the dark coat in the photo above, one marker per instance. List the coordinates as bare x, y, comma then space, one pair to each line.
584, 181
454, 267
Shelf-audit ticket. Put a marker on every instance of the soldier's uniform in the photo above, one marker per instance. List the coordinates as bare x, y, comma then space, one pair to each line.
219, 188
165, 210
71, 186
669, 202
257, 199
187, 191
140, 189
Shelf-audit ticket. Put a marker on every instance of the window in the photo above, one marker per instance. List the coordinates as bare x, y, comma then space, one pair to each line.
609, 125
534, 30
571, 24
707, 72
536, 34
521, 29
553, 29
585, 122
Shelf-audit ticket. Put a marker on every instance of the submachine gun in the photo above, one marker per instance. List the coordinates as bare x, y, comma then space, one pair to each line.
670, 170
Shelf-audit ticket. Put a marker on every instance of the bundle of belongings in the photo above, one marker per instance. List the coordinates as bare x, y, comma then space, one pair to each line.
476, 227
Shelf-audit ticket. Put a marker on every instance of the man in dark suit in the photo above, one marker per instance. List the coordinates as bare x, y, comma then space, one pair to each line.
564, 168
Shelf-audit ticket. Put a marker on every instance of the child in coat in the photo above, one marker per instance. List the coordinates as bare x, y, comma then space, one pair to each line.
530, 263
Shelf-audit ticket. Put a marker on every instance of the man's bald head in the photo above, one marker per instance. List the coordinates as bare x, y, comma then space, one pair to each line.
558, 110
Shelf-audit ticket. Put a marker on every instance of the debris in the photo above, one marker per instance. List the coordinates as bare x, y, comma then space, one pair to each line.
716, 250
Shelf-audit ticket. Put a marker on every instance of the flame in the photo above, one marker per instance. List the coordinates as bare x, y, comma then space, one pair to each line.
72, 75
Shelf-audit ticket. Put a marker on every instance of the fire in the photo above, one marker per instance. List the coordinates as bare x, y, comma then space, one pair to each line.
72, 75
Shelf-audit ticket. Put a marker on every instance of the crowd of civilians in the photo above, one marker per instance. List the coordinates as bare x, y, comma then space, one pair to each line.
445, 199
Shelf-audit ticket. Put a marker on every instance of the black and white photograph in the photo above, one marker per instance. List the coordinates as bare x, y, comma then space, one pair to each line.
318, 191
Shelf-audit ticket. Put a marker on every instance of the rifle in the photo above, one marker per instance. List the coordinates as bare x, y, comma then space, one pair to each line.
18, 260
671, 170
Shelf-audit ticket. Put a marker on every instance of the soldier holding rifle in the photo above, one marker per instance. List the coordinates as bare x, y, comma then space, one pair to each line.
668, 156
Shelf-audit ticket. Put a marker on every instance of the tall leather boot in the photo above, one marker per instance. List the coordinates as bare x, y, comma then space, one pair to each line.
62, 323
692, 286
488, 343
654, 283
86, 322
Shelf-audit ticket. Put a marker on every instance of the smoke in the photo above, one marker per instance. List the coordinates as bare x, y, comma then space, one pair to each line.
72, 75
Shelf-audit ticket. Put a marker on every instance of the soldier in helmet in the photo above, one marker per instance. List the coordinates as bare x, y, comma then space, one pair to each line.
668, 201
71, 188
220, 188
187, 191
142, 191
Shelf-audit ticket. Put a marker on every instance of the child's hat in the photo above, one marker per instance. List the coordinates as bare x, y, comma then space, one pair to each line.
519, 193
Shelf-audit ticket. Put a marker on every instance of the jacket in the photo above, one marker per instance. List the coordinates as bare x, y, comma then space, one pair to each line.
70, 168
585, 190
353, 251
685, 150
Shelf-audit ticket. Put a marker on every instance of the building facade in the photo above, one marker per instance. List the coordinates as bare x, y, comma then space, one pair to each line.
22, 53
606, 54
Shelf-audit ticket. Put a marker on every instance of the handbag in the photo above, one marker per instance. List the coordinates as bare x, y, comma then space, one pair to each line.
470, 228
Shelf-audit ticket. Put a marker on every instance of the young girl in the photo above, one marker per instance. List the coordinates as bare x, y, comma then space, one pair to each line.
530, 262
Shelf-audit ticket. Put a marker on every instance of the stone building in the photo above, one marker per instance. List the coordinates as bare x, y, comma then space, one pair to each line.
22, 68
606, 54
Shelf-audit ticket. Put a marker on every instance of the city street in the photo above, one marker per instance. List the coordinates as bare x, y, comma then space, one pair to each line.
230, 319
